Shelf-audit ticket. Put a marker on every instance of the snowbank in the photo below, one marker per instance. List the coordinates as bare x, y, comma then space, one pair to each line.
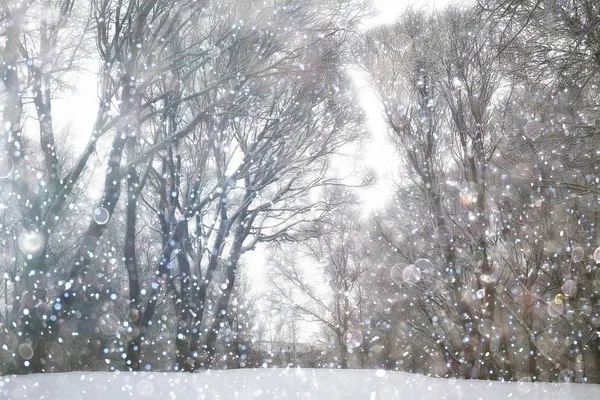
277, 384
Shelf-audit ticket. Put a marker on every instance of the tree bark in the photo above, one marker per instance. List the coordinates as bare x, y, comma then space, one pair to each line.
240, 234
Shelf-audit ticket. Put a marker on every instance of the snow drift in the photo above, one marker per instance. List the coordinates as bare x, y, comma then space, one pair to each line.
277, 384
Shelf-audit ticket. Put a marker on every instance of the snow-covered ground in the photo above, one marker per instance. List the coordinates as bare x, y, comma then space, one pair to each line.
277, 384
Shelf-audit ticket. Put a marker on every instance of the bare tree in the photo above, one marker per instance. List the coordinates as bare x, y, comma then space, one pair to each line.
341, 260
272, 115
31, 57
416, 113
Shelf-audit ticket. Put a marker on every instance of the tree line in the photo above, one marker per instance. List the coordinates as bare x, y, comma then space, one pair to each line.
484, 263
216, 130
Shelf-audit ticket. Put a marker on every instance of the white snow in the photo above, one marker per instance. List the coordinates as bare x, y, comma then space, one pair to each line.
278, 384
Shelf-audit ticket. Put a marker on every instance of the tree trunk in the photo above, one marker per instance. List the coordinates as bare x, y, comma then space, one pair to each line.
182, 362
32, 329
134, 348
132, 361
343, 362
528, 310
240, 234
162, 276
201, 290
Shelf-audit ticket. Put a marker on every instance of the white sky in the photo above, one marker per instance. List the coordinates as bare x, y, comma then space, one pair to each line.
390, 10
78, 109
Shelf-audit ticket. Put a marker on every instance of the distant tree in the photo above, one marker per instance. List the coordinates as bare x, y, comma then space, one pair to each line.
338, 257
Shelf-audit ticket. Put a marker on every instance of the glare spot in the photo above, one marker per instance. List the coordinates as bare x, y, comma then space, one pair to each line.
353, 338
577, 254
32, 243
468, 194
25, 351
411, 274
558, 299
388, 392
569, 288
6, 166
442, 235
101, 215
144, 388
596, 255
532, 129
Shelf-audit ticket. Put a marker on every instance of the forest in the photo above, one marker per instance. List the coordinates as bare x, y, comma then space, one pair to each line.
213, 216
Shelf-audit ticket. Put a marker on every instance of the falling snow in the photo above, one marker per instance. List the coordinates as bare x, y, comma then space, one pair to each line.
299, 199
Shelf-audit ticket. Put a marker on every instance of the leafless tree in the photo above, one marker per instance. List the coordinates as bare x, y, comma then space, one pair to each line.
340, 259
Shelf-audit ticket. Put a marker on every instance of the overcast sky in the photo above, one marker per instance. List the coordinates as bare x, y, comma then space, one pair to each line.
389, 10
